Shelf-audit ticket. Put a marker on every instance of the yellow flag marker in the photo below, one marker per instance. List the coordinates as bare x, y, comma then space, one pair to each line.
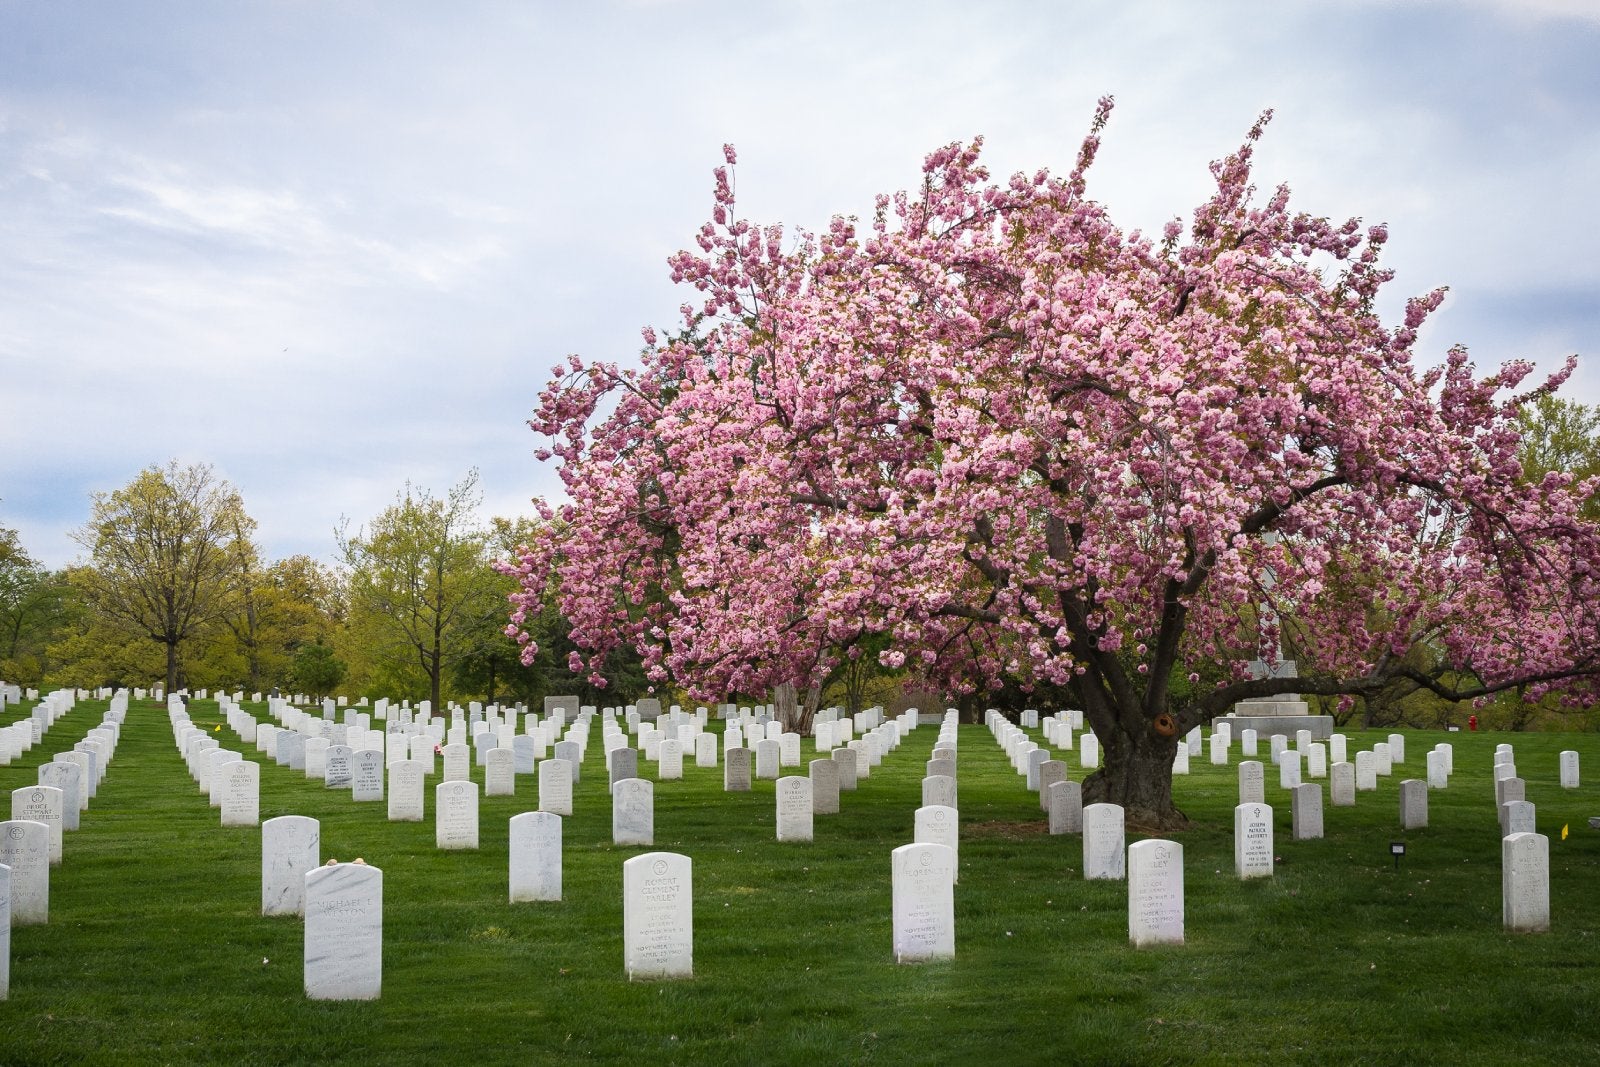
217, 728
1563, 833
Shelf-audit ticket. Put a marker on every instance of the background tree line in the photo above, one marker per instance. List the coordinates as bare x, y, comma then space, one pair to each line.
175, 587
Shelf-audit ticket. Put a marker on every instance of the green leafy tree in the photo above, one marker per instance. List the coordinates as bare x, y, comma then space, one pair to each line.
490, 663
35, 605
277, 609
317, 670
92, 650
1561, 435
162, 556
418, 576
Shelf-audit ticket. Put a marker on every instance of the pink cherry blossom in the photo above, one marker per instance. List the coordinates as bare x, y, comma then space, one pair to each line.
1014, 441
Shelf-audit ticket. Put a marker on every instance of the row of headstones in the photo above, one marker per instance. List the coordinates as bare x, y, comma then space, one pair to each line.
925, 874
1026, 755
1103, 837
343, 941
23, 734
797, 799
1516, 813
32, 840
16, 694
1525, 877
232, 783
1058, 729
342, 904
1524, 853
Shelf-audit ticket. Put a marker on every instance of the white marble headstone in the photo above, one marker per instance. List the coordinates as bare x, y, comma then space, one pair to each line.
457, 763
824, 786
40, 804
67, 777
291, 847
535, 856
337, 759
923, 902
1252, 841
1066, 807
633, 813
241, 793
1413, 804
1366, 772
768, 752
366, 775
1252, 788
794, 808
455, 814
736, 770
940, 825
658, 916
1155, 893
939, 789
405, 790
1342, 785
555, 786
1103, 842
500, 772
344, 932
1569, 769
669, 766
1306, 812
1525, 882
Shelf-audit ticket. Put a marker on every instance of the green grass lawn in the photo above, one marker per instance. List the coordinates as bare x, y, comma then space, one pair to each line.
156, 951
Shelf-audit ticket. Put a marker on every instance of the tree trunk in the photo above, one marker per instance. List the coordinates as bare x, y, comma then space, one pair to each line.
172, 667
808, 710
1136, 773
491, 679
795, 716
433, 680
787, 700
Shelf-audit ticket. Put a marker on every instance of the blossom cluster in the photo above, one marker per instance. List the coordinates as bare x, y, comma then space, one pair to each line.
1021, 443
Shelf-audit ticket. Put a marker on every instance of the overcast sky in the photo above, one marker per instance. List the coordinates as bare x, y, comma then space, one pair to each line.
329, 247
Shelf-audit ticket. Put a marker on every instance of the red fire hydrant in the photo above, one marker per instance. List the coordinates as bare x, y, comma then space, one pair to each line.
1472, 723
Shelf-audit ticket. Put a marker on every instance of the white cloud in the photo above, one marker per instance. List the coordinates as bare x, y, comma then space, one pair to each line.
347, 254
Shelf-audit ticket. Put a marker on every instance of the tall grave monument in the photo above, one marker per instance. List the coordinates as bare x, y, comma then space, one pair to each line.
1284, 713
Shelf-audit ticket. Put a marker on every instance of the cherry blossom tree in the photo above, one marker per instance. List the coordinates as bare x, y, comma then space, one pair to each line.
1003, 439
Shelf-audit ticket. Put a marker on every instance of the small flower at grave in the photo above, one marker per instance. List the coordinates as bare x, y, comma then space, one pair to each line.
264, 961
1564, 830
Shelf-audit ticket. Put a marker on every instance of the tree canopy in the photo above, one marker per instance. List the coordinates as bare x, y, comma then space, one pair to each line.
33, 603
418, 577
162, 556
1020, 443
